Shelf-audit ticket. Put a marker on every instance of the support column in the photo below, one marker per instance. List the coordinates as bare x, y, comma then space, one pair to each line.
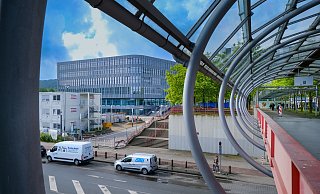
21, 27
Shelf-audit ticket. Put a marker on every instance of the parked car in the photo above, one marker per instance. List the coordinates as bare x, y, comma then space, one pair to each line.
43, 151
141, 162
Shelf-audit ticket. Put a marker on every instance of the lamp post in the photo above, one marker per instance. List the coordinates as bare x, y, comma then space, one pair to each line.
65, 112
110, 113
132, 117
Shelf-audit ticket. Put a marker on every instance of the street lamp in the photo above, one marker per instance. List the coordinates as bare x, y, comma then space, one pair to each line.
65, 112
110, 113
132, 117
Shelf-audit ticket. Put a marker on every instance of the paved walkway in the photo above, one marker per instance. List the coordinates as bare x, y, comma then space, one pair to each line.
304, 130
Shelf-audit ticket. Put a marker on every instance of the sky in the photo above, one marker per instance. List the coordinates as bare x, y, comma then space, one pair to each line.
73, 30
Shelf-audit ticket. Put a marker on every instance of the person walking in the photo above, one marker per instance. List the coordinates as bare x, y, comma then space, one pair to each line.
216, 164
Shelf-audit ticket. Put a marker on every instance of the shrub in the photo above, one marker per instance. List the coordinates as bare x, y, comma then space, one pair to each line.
45, 137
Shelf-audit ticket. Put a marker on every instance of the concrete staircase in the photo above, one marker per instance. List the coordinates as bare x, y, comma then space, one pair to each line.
156, 136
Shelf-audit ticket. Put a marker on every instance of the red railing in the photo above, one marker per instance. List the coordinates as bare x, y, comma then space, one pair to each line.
294, 169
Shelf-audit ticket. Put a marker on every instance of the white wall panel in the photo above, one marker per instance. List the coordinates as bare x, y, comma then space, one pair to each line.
210, 133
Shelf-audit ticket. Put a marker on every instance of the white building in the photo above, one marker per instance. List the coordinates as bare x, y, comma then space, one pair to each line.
69, 112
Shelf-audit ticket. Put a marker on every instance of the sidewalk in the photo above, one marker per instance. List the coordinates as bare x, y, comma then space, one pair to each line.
240, 169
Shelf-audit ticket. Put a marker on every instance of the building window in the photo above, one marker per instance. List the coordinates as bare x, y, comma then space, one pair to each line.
45, 111
56, 111
56, 125
45, 98
56, 97
45, 125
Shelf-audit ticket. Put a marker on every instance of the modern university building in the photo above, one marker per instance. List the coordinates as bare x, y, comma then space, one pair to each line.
133, 84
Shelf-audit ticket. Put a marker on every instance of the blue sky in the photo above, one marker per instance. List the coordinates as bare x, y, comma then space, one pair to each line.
73, 30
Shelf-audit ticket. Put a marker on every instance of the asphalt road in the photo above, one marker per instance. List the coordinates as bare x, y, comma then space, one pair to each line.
102, 178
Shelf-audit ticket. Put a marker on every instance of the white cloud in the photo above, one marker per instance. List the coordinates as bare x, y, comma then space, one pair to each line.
195, 8
93, 42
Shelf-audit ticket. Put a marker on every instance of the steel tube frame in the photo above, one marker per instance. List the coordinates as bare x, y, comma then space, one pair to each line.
233, 106
244, 134
240, 100
242, 108
260, 68
306, 34
242, 119
231, 69
188, 93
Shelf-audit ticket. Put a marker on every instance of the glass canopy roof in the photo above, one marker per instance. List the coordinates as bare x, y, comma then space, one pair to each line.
291, 48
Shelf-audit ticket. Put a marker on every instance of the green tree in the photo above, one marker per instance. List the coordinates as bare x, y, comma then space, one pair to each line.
47, 90
287, 81
205, 88
175, 79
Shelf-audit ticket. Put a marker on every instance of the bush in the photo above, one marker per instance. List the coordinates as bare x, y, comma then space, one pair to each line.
45, 137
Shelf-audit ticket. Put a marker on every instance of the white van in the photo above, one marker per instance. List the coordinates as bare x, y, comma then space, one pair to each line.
71, 151
142, 162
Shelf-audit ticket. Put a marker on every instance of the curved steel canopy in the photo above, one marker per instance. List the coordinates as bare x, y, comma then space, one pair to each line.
284, 50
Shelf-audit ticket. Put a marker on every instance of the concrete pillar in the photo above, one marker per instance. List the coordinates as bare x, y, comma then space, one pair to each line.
21, 27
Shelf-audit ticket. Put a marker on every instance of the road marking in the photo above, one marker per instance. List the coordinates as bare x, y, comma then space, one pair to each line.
85, 168
94, 176
104, 189
78, 187
132, 192
53, 184
119, 180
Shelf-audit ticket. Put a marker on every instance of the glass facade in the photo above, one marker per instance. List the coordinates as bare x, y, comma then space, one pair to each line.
126, 82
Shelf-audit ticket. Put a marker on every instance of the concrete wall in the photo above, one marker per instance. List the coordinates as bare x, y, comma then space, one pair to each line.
210, 133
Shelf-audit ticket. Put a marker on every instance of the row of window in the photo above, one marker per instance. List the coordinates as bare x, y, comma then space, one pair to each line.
46, 98
46, 125
159, 92
102, 81
112, 71
46, 111
107, 62
134, 102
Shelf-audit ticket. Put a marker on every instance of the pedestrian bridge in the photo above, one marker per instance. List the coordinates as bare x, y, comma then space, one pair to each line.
292, 145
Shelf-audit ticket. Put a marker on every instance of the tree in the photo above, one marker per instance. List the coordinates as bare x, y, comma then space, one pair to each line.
47, 90
287, 81
175, 79
205, 88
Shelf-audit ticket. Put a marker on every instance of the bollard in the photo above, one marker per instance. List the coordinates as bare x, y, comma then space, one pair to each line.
229, 170
106, 155
171, 164
125, 155
186, 164
95, 153
116, 156
159, 161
